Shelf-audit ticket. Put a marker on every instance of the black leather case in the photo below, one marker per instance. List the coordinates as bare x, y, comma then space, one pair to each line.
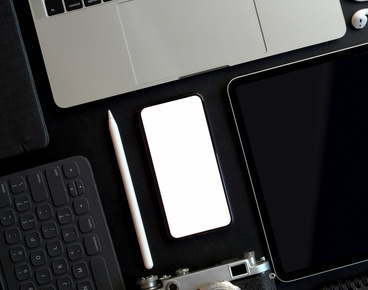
22, 126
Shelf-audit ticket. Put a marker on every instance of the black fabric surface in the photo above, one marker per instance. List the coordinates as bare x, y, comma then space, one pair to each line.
83, 130
22, 127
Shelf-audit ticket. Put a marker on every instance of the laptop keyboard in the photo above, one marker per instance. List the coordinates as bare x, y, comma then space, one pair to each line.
53, 231
54, 7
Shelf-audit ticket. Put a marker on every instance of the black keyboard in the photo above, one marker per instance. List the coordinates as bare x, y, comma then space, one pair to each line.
53, 230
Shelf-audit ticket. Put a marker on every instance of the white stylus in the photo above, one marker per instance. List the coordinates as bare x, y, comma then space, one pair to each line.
130, 193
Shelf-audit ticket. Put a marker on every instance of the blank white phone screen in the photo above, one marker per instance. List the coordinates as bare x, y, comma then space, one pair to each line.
186, 167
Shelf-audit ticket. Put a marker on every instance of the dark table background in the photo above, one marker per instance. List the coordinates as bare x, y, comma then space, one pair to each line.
83, 130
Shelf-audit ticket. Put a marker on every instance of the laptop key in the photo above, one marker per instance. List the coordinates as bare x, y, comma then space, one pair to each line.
54, 7
91, 2
73, 4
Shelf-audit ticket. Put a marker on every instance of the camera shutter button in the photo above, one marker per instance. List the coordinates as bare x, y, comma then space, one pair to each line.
220, 286
149, 283
182, 271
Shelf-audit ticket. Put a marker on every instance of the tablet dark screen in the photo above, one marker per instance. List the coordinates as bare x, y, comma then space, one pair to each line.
305, 137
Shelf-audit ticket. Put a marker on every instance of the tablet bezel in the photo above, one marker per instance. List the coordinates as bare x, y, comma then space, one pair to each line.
256, 187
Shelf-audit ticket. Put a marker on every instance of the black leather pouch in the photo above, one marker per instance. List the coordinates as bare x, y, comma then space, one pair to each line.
22, 126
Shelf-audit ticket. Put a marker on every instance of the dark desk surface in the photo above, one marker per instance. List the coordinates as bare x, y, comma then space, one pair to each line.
83, 130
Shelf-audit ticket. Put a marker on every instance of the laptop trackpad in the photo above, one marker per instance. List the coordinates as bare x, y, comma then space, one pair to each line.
169, 38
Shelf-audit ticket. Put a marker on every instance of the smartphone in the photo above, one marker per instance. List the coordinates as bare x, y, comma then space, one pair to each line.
185, 167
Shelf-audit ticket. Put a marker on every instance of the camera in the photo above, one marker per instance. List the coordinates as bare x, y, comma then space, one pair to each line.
235, 274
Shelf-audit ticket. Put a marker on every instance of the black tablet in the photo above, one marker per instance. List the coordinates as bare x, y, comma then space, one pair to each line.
304, 133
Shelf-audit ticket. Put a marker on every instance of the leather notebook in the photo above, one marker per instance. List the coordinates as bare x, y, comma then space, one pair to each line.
22, 126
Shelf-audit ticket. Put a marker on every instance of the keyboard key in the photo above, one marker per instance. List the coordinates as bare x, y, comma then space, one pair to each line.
86, 224
72, 188
22, 203
4, 195
17, 254
22, 272
54, 248
54, 7
73, 4
7, 217
65, 283
56, 185
37, 186
38, 258
49, 230
59, 266
33, 240
71, 169
80, 270
80, 187
100, 273
92, 245
17, 184
85, 285
12, 236
75, 252
44, 212
43, 276
27, 221
70, 234
28, 286
64, 216
81, 206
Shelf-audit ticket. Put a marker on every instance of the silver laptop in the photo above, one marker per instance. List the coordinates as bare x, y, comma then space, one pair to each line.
95, 49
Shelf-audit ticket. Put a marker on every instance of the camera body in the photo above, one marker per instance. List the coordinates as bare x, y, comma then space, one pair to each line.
237, 274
